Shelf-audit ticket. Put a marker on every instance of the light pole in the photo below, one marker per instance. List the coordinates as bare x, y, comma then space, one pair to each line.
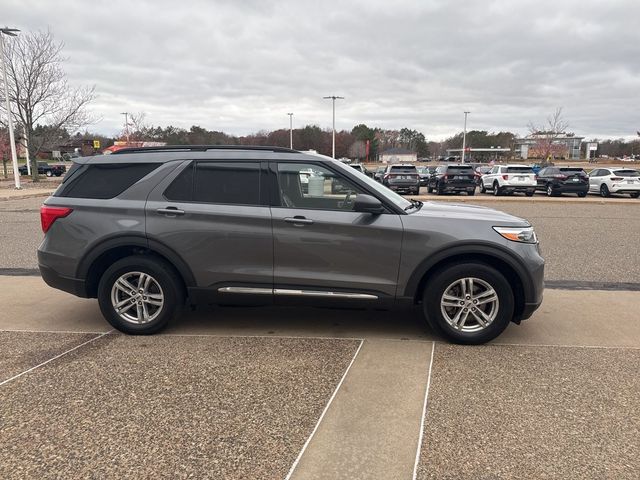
126, 125
464, 136
290, 130
334, 98
11, 32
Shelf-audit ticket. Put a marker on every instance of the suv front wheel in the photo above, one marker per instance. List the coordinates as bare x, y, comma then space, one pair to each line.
140, 294
470, 303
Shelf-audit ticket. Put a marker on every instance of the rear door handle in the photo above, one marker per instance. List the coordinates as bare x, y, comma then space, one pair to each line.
170, 211
298, 220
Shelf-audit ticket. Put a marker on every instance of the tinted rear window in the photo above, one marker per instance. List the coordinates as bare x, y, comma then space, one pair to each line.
571, 171
232, 183
104, 181
460, 170
626, 173
519, 170
402, 169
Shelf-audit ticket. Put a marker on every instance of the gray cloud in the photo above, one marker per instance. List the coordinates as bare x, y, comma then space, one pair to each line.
239, 66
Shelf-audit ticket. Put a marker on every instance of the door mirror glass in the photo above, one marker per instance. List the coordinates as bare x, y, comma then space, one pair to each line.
367, 204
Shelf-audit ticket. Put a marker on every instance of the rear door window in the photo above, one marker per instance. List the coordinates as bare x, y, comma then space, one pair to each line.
235, 183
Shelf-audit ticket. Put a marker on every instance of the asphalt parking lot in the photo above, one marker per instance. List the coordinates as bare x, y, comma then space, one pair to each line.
323, 393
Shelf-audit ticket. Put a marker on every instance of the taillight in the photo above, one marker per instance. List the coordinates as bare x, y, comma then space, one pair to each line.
616, 179
48, 215
560, 176
445, 177
505, 177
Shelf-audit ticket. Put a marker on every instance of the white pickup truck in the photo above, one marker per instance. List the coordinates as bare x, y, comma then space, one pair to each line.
508, 179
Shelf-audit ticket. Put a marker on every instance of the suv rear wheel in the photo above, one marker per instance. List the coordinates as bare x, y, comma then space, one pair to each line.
140, 294
497, 191
469, 303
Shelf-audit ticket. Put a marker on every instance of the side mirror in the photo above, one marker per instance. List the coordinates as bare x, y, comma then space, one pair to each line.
367, 204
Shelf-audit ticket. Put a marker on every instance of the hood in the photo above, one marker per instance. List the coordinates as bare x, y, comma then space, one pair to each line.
470, 212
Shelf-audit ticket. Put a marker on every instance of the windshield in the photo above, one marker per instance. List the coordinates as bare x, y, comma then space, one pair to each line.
357, 167
380, 189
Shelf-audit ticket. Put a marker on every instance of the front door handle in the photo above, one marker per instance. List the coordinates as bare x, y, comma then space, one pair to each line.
170, 211
298, 220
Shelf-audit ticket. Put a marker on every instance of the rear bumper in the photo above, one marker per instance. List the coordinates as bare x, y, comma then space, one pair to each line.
458, 186
624, 188
528, 310
584, 188
52, 278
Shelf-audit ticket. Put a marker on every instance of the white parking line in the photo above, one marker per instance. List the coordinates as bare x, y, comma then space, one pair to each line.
12, 330
424, 412
306, 444
53, 358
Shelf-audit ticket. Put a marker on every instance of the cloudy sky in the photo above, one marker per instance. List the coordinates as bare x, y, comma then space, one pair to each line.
240, 65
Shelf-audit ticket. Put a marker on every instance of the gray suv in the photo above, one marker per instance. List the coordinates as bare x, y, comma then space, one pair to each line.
146, 231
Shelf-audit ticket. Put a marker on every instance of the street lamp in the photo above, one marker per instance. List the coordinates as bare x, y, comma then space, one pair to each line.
334, 98
11, 32
126, 125
464, 136
290, 130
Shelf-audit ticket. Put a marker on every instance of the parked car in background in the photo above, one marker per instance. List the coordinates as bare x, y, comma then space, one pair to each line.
558, 180
507, 179
146, 231
45, 169
379, 173
457, 178
402, 178
606, 181
480, 171
424, 174
361, 168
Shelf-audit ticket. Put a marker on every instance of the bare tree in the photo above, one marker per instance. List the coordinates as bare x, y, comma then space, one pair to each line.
546, 135
40, 94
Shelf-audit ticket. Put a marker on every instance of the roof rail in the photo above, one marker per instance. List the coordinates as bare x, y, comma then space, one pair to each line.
202, 148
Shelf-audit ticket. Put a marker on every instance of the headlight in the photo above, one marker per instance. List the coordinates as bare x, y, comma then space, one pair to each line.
518, 234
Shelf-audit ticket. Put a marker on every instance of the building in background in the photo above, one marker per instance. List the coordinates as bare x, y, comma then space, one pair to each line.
398, 155
563, 146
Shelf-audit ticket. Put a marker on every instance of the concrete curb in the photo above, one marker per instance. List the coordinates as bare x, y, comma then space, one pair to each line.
26, 195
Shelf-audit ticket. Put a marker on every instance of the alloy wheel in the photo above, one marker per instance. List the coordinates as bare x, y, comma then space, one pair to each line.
137, 297
469, 304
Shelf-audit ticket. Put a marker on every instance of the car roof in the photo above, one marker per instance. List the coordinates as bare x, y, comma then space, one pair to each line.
201, 152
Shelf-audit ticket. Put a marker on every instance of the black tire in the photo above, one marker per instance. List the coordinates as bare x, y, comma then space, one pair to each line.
482, 187
497, 191
442, 279
582, 194
58, 174
550, 192
635, 194
604, 191
530, 194
438, 190
471, 193
416, 191
429, 189
163, 274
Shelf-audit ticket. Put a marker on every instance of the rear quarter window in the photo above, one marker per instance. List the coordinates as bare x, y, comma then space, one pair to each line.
103, 181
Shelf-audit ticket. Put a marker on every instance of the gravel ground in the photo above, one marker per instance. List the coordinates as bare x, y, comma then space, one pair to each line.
169, 407
583, 242
532, 412
20, 351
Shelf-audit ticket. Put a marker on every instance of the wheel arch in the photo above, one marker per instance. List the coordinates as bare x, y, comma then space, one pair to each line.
500, 259
94, 264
